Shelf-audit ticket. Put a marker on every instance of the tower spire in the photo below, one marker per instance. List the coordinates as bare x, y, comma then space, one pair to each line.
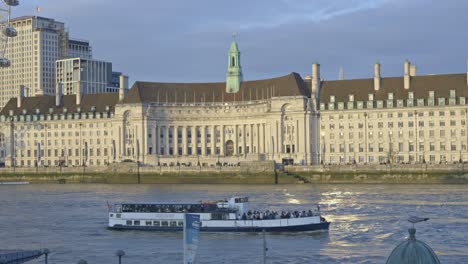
234, 72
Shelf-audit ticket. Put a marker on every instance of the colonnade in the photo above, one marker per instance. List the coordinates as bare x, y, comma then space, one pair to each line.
208, 140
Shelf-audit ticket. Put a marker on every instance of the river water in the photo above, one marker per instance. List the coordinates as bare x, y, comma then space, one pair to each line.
368, 221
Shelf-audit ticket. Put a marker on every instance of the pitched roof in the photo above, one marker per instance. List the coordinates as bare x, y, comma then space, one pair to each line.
420, 86
288, 85
44, 103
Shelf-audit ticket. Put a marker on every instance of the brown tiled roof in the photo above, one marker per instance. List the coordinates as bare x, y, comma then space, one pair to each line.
420, 86
289, 85
43, 103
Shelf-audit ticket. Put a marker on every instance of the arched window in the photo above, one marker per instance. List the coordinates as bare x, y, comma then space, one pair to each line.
233, 61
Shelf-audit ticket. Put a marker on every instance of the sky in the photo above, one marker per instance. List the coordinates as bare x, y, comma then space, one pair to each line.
188, 41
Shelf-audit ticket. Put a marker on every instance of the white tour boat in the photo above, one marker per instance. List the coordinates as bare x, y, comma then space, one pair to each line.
232, 215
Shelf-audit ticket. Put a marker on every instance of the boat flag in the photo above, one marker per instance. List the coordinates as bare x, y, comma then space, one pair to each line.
191, 236
38, 9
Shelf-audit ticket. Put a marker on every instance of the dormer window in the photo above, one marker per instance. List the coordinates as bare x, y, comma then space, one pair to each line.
452, 93
371, 97
410, 95
431, 94
332, 98
390, 96
351, 97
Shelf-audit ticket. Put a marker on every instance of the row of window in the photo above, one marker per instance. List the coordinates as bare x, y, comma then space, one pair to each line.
395, 159
400, 134
381, 147
410, 124
155, 223
399, 115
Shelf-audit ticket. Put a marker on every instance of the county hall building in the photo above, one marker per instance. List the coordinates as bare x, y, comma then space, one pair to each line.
288, 119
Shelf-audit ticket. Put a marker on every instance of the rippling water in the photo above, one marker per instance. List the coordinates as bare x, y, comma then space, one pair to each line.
367, 222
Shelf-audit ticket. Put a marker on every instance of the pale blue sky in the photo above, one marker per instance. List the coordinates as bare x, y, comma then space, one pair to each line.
187, 41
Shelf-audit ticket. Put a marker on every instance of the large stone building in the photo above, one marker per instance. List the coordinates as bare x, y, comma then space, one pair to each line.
191, 123
400, 119
287, 119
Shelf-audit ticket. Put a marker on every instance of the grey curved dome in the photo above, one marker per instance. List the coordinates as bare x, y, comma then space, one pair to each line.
413, 251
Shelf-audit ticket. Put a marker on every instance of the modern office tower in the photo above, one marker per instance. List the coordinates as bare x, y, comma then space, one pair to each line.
39, 44
78, 48
92, 76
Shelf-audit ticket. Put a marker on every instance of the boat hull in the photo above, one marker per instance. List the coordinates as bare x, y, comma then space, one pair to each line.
296, 228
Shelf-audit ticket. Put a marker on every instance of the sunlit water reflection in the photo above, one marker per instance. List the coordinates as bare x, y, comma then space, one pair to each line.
368, 221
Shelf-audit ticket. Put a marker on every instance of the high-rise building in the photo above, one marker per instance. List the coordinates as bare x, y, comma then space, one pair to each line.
40, 43
92, 76
78, 48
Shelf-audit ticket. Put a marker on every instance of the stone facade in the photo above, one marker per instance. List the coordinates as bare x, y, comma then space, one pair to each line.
288, 119
163, 124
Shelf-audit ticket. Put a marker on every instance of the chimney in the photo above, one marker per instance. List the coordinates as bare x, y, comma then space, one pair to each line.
123, 86
413, 70
19, 100
58, 94
315, 79
407, 76
377, 76
78, 94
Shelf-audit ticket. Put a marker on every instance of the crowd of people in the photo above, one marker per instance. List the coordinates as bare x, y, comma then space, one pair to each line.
267, 215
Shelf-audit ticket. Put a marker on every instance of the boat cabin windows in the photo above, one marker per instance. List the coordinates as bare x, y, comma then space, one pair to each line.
149, 223
175, 208
136, 222
129, 222
118, 215
219, 216
180, 223
173, 223
164, 223
111, 215
156, 223
241, 200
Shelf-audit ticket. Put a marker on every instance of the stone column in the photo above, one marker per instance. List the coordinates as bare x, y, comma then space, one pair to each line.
296, 150
184, 140
175, 138
203, 140
166, 142
156, 140
213, 140
244, 140
262, 138
279, 140
194, 140
251, 133
223, 141
236, 140
257, 135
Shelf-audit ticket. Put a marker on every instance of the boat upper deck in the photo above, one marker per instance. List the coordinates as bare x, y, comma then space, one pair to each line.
172, 208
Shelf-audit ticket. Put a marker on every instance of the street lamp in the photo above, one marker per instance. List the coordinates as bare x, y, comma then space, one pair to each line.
46, 254
390, 147
323, 147
120, 254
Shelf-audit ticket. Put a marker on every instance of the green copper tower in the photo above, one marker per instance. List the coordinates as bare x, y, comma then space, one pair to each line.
234, 72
